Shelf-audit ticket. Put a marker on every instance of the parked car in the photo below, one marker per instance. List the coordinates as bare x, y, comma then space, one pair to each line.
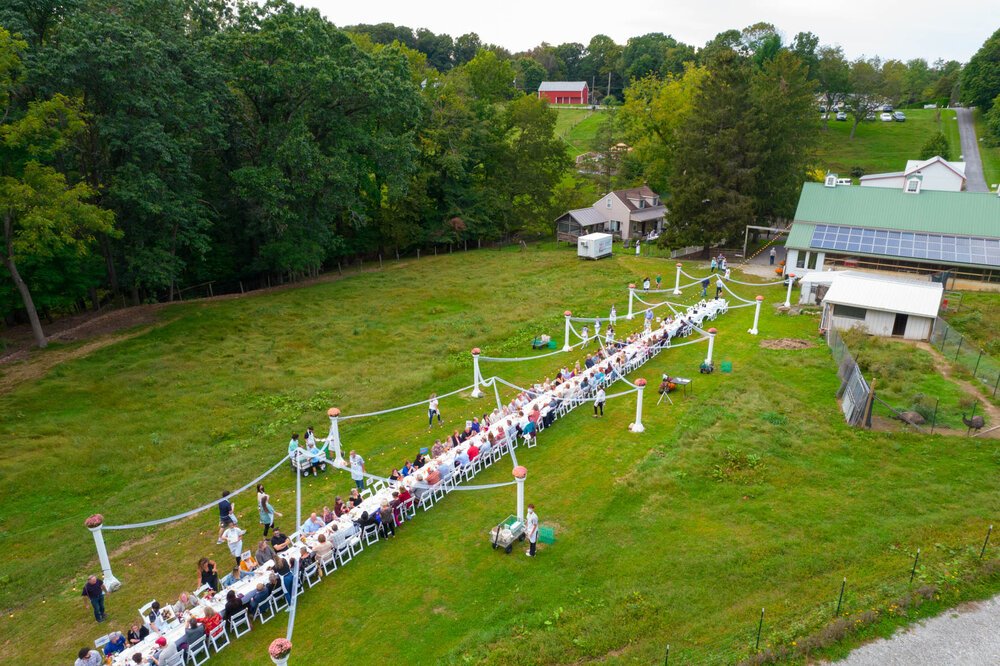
887, 108
870, 116
841, 115
824, 116
822, 109
886, 117
899, 117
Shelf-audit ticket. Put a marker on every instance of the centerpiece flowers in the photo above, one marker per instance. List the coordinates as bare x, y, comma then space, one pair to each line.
279, 649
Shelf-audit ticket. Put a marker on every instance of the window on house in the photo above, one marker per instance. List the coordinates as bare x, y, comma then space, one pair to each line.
849, 312
913, 185
800, 260
813, 257
609, 202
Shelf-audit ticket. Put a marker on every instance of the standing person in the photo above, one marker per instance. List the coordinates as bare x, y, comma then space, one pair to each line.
609, 336
293, 449
714, 264
597, 327
358, 470
773, 253
659, 280
728, 272
613, 317
645, 284
649, 320
432, 411
226, 515
704, 286
310, 436
599, 398
267, 512
94, 590
207, 574
234, 537
531, 529
585, 334
638, 249
722, 262
718, 286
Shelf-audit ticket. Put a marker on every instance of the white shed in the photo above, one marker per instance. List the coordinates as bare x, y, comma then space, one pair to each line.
814, 286
882, 305
594, 246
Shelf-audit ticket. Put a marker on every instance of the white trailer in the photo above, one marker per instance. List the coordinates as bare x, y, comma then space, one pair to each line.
594, 246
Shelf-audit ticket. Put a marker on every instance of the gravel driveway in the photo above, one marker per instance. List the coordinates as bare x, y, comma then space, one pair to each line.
975, 181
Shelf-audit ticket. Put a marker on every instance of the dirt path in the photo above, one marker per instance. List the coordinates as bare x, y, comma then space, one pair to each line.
942, 365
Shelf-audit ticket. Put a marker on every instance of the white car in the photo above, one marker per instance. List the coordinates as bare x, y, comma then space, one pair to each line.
841, 115
886, 117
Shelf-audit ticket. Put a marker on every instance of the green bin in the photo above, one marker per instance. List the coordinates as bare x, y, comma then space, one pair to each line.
546, 534
727, 366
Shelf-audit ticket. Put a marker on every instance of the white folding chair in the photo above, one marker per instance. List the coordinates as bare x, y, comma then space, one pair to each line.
144, 611
311, 574
278, 601
240, 623
198, 651
427, 500
219, 637
355, 544
176, 659
265, 611
329, 563
102, 641
410, 509
439, 489
371, 534
203, 590
344, 554
366, 493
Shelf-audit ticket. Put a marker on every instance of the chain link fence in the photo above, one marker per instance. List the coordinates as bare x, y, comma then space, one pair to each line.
854, 391
956, 348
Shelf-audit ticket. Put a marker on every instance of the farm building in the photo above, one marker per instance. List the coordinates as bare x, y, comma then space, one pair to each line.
923, 232
632, 213
565, 92
814, 285
936, 173
882, 305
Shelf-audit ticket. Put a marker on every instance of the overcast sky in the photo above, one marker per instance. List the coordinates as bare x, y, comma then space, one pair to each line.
909, 29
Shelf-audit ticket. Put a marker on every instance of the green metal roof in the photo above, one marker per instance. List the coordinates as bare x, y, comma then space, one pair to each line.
800, 236
954, 213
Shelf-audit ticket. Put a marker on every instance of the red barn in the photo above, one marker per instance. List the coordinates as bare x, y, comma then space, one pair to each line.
565, 92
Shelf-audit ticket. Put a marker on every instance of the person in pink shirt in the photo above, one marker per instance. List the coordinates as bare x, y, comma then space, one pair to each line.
473, 451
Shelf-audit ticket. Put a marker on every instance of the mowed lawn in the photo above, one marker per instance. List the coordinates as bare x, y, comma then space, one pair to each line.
748, 493
578, 128
880, 146
990, 154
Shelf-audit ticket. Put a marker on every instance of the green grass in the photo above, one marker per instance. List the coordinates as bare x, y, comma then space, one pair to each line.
977, 316
990, 154
670, 536
578, 128
882, 147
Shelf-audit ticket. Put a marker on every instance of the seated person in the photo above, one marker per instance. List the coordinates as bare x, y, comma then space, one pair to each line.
445, 470
437, 449
328, 516
281, 566
434, 476
339, 508
404, 496
279, 541
322, 547
211, 621
313, 524
155, 618
420, 460
317, 459
234, 605
396, 475
264, 552
528, 430
256, 598
185, 602
232, 577
462, 459
408, 468
306, 559
192, 633
247, 563
116, 643
488, 445
472, 452
475, 427
136, 634
88, 657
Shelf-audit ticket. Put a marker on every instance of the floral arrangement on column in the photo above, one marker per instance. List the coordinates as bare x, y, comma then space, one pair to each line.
279, 649
95, 520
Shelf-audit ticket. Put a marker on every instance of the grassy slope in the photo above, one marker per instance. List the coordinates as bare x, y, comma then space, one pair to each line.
577, 127
989, 154
978, 319
652, 548
879, 147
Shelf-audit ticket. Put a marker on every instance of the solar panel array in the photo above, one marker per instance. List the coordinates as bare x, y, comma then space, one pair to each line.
905, 244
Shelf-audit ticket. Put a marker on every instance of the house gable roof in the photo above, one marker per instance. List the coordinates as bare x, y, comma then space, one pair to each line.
626, 196
912, 166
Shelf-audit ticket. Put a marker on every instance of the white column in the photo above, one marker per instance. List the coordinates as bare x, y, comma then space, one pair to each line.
637, 426
631, 293
788, 296
711, 345
567, 347
756, 316
677, 281
110, 581
520, 474
476, 391
334, 437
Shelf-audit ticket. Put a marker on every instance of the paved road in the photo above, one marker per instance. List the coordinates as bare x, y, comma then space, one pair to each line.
975, 181
966, 637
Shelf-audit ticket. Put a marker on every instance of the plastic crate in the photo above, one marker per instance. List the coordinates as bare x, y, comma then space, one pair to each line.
727, 366
546, 534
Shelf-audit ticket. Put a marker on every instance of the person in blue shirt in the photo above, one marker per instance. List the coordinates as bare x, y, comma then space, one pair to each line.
462, 459
293, 447
475, 424
232, 577
446, 470
312, 525
528, 430
407, 469
316, 458
115, 644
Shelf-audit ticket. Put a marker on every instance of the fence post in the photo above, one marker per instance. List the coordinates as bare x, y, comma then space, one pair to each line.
380, 262
961, 339
996, 386
934, 418
913, 571
977, 363
988, 533
841, 599
760, 626
945, 336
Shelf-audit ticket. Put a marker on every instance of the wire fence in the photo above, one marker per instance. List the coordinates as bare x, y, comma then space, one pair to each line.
957, 348
855, 392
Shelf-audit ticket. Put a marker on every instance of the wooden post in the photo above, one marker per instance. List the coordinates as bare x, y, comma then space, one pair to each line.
241, 287
380, 261
760, 626
418, 253
841, 599
988, 533
869, 401
913, 571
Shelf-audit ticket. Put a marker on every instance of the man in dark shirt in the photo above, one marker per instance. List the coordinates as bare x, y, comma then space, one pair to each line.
225, 515
279, 541
94, 591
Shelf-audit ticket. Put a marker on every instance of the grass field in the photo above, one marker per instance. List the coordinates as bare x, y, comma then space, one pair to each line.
978, 318
880, 147
578, 128
989, 154
749, 493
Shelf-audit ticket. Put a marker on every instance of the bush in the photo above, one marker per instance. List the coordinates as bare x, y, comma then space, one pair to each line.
857, 172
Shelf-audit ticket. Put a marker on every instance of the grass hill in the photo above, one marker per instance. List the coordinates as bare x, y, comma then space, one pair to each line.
750, 492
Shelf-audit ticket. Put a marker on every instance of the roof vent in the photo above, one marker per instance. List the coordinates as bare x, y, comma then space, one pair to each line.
831, 180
